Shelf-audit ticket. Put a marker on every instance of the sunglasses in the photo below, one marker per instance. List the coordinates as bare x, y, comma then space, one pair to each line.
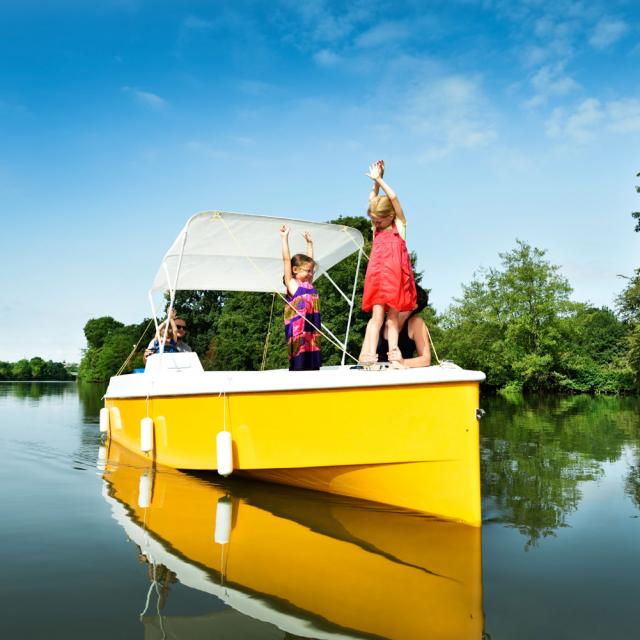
181, 326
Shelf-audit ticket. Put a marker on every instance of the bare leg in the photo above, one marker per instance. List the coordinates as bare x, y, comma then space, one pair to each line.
370, 342
393, 329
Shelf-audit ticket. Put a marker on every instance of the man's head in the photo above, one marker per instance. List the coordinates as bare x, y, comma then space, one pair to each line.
181, 327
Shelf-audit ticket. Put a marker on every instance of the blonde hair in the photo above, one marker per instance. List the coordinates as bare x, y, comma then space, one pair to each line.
381, 207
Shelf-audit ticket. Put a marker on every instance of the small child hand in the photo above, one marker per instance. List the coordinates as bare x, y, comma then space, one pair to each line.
307, 236
284, 230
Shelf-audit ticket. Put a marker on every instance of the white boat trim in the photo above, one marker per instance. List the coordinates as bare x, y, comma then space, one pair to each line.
180, 374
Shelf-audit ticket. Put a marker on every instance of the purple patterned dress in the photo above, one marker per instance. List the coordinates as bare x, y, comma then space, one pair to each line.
301, 328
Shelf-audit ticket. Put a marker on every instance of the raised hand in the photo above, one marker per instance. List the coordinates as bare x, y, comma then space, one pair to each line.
307, 236
375, 171
284, 231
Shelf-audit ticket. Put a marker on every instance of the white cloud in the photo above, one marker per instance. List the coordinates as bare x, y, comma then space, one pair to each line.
592, 118
326, 58
382, 34
146, 98
451, 113
550, 81
197, 24
578, 126
321, 22
607, 31
624, 115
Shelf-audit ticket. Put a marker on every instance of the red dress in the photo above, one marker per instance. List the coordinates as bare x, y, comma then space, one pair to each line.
389, 279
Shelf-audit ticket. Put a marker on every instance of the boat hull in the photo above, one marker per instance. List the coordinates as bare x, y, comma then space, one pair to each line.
411, 445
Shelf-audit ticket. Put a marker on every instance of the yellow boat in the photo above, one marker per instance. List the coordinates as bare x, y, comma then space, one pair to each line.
402, 437
286, 559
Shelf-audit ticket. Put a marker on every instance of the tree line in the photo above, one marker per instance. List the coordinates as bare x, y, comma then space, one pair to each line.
516, 322
37, 369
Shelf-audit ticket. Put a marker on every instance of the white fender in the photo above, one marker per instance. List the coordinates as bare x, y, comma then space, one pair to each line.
102, 458
224, 453
145, 489
146, 435
224, 517
104, 420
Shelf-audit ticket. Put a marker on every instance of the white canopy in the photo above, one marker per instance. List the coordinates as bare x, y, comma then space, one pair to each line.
242, 252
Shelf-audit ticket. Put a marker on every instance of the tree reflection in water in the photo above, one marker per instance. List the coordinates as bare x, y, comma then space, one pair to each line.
536, 451
91, 394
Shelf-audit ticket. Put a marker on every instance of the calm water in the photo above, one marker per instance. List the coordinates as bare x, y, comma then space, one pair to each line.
93, 544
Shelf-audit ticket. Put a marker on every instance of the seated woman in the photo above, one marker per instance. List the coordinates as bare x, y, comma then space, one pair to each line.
413, 338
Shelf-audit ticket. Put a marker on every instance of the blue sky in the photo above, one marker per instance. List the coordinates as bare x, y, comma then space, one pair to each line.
120, 118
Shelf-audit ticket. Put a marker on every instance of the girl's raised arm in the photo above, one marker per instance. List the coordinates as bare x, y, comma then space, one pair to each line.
286, 260
376, 172
307, 236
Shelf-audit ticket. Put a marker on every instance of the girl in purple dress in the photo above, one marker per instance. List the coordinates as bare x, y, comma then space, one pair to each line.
302, 311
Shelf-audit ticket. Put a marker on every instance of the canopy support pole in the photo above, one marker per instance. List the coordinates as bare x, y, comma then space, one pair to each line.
351, 303
172, 290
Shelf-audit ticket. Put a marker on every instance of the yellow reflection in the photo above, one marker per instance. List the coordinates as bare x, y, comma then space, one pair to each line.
313, 565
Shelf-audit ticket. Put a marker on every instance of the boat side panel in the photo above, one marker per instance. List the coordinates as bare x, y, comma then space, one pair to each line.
307, 429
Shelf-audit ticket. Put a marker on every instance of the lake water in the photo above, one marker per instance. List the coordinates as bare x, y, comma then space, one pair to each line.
96, 545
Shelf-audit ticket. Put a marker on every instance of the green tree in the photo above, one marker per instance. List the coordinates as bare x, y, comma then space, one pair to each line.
38, 368
508, 322
99, 363
628, 303
97, 330
201, 310
21, 370
242, 330
636, 214
5, 371
594, 356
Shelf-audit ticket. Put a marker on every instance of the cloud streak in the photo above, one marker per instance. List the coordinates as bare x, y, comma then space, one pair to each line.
146, 98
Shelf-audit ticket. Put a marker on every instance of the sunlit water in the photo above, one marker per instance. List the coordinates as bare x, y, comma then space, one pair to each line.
96, 545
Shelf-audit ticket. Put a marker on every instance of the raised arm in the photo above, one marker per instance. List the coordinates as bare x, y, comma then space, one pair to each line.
375, 168
286, 260
376, 171
307, 236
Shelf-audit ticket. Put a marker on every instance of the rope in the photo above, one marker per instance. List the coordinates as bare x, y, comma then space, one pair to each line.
266, 341
433, 346
135, 347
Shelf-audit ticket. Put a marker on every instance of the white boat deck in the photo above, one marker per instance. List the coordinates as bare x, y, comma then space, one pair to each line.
178, 374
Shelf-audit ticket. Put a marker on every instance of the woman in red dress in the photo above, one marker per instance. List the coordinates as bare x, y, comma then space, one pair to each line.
388, 285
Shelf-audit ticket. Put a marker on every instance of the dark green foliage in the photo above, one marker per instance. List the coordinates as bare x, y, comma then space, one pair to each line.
629, 307
242, 331
97, 330
36, 369
201, 310
116, 342
518, 325
636, 214
628, 301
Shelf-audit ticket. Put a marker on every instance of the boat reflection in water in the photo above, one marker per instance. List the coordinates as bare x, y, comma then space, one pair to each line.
294, 563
